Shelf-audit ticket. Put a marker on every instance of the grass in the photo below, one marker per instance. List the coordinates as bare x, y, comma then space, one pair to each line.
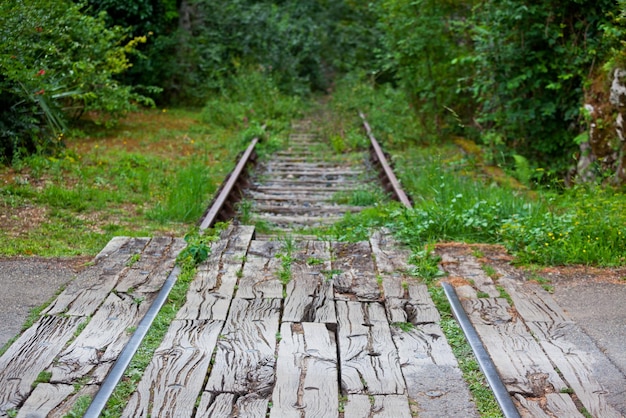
151, 175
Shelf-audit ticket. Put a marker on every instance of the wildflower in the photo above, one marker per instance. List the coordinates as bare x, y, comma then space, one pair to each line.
40, 92
41, 72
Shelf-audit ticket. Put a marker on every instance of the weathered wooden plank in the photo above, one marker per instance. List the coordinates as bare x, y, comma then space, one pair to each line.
385, 406
304, 220
389, 257
433, 378
174, 378
63, 406
317, 209
306, 372
31, 354
239, 237
575, 365
310, 293
260, 271
44, 398
211, 290
457, 262
231, 405
417, 310
559, 405
368, 357
148, 274
244, 361
521, 363
210, 293
83, 296
95, 348
532, 302
357, 276
212, 406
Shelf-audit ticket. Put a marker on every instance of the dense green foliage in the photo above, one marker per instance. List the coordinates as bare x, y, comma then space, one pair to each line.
56, 63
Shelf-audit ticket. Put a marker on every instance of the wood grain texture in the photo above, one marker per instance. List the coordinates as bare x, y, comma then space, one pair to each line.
85, 294
244, 361
44, 398
369, 361
433, 378
309, 292
95, 348
356, 276
458, 262
521, 363
558, 405
174, 378
306, 372
575, 365
31, 354
560, 339
260, 271
148, 274
385, 406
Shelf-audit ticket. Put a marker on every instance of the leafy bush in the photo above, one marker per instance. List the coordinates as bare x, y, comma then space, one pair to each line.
56, 64
531, 62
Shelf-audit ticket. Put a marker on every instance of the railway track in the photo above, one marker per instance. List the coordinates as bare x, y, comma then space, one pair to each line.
277, 323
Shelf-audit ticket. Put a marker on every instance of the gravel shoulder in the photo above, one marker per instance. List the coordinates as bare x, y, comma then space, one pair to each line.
28, 282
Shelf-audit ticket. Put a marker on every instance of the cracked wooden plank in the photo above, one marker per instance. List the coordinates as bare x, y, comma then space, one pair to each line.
85, 294
434, 381
355, 271
213, 286
94, 348
378, 406
45, 398
174, 378
309, 292
148, 274
306, 372
368, 357
521, 363
244, 361
457, 262
260, 271
31, 354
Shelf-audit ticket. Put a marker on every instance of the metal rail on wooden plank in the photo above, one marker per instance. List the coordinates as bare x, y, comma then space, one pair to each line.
395, 184
486, 364
225, 192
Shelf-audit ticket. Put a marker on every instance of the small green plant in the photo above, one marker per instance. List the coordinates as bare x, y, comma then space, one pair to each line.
490, 271
477, 252
404, 326
505, 295
133, 259
314, 261
481, 294
80, 407
330, 274
197, 250
43, 377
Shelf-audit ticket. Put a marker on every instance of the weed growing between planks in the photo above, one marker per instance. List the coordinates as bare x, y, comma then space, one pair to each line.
196, 252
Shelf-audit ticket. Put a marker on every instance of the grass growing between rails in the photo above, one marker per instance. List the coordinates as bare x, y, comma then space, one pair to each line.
455, 199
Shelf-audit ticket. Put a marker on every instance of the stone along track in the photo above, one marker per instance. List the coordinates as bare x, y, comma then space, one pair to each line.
292, 327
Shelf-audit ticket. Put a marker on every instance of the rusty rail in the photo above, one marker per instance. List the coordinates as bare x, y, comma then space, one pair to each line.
389, 179
480, 352
222, 206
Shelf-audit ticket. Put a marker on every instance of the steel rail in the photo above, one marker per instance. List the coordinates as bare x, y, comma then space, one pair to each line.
480, 352
121, 364
388, 172
116, 373
211, 216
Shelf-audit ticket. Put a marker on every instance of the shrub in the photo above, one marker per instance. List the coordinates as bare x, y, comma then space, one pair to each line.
56, 64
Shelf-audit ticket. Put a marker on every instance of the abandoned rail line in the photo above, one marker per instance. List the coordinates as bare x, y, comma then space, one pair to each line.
278, 323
